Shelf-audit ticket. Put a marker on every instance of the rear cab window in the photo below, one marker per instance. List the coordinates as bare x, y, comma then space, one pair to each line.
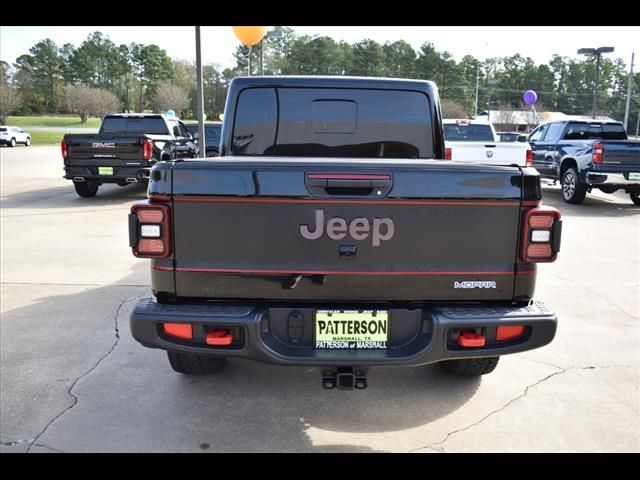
594, 131
149, 125
467, 133
333, 122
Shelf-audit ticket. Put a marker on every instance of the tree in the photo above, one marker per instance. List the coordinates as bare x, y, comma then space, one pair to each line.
367, 59
399, 60
9, 101
451, 109
150, 65
39, 76
78, 100
85, 101
5, 70
104, 103
171, 97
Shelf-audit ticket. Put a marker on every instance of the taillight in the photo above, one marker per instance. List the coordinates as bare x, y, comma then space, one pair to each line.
447, 153
541, 233
147, 149
529, 160
149, 230
63, 148
598, 150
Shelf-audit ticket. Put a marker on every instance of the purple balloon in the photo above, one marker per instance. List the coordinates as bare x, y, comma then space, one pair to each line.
530, 97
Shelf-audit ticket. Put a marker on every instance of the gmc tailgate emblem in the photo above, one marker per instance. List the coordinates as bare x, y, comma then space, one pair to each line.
103, 145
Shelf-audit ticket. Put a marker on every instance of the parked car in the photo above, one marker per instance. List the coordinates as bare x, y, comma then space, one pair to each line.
330, 232
124, 150
475, 141
584, 155
512, 137
14, 135
212, 136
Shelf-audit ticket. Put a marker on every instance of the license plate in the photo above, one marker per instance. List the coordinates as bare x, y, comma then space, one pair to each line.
105, 170
634, 176
351, 329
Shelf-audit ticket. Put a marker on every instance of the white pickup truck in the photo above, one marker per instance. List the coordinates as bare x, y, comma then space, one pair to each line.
475, 141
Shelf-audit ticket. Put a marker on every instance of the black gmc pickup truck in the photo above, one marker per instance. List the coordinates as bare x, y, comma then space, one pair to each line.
328, 233
124, 150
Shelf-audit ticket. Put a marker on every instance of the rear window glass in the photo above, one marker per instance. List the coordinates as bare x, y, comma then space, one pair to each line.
467, 133
151, 125
333, 123
587, 131
3, 129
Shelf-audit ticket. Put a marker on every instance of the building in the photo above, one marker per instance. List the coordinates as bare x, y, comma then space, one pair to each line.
527, 120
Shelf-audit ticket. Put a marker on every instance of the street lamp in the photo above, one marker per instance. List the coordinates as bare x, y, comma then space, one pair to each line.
597, 52
270, 34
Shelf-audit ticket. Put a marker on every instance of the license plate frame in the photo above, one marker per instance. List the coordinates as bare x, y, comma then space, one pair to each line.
634, 176
351, 329
105, 170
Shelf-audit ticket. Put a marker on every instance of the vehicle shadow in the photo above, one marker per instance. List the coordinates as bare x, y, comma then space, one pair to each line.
591, 207
66, 197
133, 401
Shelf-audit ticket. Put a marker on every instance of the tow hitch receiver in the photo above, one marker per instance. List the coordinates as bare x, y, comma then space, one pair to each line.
344, 378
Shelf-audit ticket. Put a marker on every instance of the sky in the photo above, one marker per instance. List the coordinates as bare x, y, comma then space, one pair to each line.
219, 43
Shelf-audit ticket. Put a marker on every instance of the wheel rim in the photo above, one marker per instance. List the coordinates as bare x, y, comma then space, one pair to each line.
569, 185
13, 142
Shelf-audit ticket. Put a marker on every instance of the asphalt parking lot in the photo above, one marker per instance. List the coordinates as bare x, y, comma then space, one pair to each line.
72, 379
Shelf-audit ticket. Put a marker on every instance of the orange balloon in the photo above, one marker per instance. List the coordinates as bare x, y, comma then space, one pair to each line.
250, 36
546, 116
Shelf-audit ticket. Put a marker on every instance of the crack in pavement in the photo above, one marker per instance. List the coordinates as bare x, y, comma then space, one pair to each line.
439, 445
48, 447
69, 390
597, 294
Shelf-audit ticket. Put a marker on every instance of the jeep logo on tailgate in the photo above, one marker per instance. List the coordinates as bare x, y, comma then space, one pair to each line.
380, 229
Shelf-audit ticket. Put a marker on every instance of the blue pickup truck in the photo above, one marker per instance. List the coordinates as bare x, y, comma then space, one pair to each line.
584, 155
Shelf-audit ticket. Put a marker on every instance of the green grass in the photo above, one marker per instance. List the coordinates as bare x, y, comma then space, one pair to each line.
52, 122
46, 138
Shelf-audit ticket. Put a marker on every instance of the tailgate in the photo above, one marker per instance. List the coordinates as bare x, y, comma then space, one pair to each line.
621, 153
113, 149
330, 230
492, 153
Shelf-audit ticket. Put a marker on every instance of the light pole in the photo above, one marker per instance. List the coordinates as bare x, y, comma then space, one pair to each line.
628, 105
597, 52
269, 34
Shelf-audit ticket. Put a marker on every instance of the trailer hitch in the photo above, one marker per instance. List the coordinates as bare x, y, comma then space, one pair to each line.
344, 378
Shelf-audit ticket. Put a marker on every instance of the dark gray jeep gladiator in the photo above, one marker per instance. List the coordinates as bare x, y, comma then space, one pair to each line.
329, 233
124, 150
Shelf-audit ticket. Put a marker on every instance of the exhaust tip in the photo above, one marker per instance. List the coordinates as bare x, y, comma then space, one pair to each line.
132, 180
78, 179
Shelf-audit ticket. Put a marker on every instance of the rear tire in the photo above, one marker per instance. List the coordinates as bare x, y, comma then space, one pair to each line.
635, 197
573, 190
27, 142
12, 143
86, 189
189, 364
470, 367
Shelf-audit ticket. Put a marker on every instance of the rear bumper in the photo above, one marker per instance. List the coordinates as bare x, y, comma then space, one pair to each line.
417, 336
596, 178
120, 174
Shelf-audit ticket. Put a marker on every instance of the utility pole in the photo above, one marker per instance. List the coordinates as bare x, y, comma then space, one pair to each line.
628, 106
200, 100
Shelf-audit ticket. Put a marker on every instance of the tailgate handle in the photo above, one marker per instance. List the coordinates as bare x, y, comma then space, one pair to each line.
348, 184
